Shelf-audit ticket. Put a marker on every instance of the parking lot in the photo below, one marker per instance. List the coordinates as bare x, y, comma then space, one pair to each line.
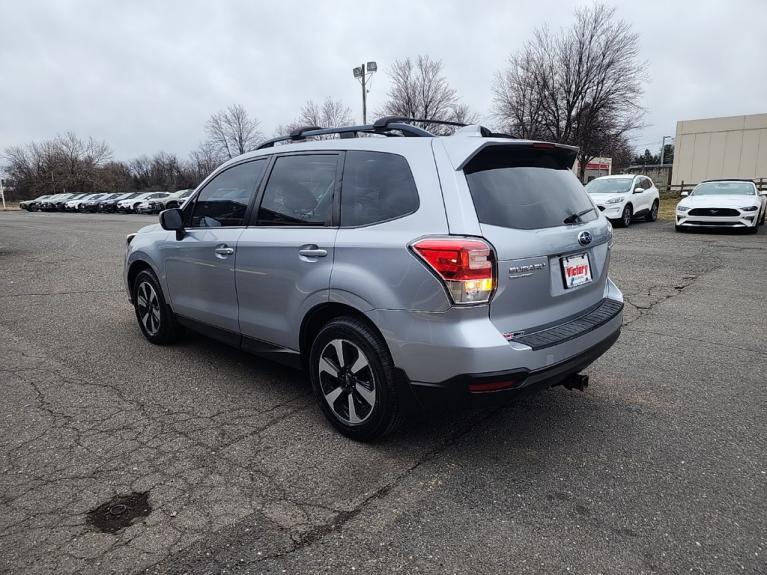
659, 467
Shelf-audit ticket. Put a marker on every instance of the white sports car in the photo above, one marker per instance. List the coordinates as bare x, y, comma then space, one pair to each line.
722, 203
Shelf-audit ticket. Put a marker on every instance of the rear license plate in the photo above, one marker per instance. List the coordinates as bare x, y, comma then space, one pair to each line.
576, 270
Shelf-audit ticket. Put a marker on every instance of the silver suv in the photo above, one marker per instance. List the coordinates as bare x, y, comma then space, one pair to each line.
389, 268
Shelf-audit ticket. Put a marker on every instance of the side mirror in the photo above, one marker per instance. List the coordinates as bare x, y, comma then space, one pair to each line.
173, 220
638, 190
685, 194
764, 193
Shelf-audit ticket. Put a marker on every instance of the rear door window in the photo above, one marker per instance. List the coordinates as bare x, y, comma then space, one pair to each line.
526, 188
299, 191
377, 187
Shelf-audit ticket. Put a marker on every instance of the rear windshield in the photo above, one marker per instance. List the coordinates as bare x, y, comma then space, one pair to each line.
526, 189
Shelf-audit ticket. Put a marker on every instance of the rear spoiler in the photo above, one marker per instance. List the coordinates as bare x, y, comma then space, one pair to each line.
461, 150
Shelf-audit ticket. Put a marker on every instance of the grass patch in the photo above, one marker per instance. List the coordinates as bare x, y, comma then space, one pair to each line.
667, 211
668, 202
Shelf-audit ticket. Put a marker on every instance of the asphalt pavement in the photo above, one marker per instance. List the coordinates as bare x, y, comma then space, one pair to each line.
660, 466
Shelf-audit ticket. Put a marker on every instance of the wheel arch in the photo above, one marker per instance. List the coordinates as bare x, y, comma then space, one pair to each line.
135, 268
321, 314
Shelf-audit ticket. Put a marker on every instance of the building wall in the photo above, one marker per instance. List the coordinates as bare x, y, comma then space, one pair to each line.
732, 147
659, 174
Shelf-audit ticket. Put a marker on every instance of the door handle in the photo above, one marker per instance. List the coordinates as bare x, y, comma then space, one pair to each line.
313, 252
224, 251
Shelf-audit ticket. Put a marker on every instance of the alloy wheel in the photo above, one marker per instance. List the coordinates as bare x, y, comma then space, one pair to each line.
347, 381
148, 305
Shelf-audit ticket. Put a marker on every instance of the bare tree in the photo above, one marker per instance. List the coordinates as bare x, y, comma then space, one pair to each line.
65, 163
579, 86
114, 177
330, 114
162, 171
420, 90
206, 158
233, 131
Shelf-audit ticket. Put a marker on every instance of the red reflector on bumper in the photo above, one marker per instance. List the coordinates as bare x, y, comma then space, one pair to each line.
492, 386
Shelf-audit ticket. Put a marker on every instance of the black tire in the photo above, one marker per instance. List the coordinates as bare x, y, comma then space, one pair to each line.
168, 330
377, 378
652, 215
764, 214
626, 216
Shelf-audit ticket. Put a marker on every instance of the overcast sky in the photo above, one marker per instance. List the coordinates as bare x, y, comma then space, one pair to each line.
145, 75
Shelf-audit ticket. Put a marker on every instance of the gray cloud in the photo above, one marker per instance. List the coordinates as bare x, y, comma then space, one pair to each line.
145, 76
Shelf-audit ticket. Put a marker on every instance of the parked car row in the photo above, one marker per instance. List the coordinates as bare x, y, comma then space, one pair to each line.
726, 203
135, 202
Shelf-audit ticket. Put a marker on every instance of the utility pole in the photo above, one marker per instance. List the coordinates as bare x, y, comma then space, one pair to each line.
363, 74
364, 97
2, 192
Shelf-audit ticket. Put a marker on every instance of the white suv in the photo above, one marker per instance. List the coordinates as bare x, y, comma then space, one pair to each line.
624, 197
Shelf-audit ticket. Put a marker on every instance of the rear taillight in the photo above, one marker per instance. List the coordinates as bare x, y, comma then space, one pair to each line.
465, 265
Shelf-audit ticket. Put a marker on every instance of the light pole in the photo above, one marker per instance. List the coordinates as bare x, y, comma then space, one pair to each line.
663, 148
363, 74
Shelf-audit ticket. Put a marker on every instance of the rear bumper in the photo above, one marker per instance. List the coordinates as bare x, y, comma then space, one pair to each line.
515, 382
461, 344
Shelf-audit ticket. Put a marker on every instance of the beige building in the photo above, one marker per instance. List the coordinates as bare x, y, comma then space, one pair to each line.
731, 147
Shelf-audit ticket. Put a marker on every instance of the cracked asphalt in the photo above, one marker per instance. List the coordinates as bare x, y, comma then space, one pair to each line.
659, 467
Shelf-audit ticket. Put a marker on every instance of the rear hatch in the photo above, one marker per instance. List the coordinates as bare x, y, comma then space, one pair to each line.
550, 241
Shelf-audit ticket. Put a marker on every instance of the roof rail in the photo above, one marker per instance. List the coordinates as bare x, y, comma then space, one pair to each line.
386, 126
387, 120
386, 129
297, 134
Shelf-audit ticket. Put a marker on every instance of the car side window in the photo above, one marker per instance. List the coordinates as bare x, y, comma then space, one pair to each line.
299, 191
224, 200
376, 187
647, 183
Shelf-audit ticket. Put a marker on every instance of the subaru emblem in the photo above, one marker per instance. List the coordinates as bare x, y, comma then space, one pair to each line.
584, 238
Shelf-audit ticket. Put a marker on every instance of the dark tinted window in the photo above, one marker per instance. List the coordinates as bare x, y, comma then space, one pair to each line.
526, 189
225, 198
376, 187
724, 189
299, 191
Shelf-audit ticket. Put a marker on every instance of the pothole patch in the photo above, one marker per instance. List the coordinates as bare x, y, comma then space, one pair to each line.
119, 512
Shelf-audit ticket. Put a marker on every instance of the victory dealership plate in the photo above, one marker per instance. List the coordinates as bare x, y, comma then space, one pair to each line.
576, 270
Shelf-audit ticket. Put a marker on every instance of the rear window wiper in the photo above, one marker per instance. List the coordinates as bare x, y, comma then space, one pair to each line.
575, 217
